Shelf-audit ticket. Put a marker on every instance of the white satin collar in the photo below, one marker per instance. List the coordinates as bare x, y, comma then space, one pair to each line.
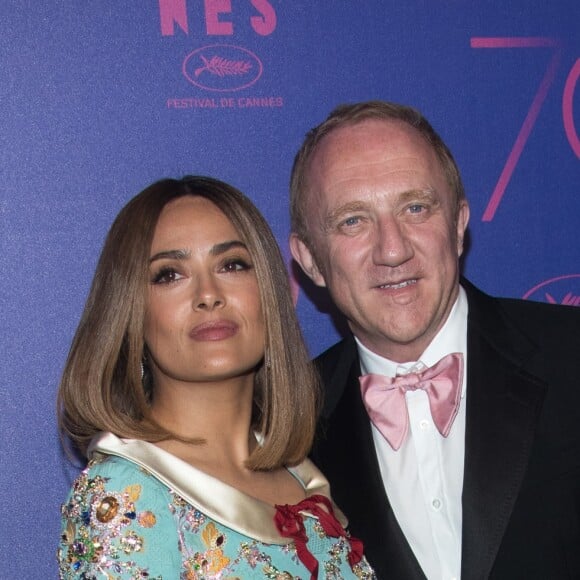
221, 502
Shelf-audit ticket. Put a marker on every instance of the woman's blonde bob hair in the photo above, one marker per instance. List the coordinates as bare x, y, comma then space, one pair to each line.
102, 387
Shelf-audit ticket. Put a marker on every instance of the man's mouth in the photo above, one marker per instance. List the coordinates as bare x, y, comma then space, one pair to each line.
399, 285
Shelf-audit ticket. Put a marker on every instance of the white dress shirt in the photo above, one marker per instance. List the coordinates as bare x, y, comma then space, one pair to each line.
424, 478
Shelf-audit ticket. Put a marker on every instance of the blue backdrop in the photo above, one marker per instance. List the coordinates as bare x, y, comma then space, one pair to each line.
98, 99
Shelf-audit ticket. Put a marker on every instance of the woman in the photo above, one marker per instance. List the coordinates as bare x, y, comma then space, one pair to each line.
189, 390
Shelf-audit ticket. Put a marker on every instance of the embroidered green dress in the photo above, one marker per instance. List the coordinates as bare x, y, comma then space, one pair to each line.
137, 512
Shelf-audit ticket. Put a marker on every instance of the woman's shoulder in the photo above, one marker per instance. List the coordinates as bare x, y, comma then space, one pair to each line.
113, 467
117, 517
115, 493
106, 473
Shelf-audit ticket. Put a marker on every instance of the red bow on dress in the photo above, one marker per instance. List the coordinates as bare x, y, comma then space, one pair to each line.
290, 524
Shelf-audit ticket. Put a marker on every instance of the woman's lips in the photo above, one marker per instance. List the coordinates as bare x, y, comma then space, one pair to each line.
214, 330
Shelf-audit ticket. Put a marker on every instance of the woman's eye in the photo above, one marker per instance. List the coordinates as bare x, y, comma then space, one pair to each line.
166, 276
237, 265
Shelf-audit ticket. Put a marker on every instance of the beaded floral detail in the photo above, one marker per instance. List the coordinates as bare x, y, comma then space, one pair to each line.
131, 526
98, 535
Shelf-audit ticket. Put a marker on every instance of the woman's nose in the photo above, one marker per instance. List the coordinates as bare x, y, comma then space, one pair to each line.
208, 295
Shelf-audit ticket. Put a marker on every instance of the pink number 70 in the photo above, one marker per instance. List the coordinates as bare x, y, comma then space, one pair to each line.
533, 112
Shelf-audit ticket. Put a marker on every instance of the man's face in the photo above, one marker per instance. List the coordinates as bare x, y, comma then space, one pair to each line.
384, 237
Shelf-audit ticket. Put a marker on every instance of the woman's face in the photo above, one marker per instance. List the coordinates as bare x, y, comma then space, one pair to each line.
203, 320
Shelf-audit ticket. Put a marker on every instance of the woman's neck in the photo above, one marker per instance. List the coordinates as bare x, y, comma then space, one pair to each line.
219, 413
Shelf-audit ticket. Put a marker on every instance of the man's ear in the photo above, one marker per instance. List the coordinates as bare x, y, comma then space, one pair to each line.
302, 254
462, 221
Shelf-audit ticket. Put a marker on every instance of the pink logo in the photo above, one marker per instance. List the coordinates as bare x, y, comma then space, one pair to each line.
222, 68
534, 111
559, 290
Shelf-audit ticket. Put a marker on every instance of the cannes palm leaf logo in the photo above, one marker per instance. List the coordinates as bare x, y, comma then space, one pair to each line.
559, 290
223, 67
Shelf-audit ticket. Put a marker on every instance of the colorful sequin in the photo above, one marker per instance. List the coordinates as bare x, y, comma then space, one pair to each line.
120, 522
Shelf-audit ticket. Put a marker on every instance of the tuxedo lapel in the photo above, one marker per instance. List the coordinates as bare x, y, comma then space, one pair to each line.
503, 403
346, 454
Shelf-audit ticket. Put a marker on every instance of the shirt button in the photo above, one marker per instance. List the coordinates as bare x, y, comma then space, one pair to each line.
424, 425
436, 503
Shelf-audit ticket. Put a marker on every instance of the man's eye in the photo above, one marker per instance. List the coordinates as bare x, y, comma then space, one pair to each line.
351, 221
417, 208
166, 276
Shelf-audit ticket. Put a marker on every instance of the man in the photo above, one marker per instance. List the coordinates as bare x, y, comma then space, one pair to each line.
479, 478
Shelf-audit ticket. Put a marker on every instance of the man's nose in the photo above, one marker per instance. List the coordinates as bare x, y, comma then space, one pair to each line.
392, 246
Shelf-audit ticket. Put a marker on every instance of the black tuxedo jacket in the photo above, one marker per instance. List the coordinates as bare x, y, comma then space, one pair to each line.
521, 488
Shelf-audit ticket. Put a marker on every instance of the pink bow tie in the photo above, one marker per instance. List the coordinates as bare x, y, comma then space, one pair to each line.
384, 397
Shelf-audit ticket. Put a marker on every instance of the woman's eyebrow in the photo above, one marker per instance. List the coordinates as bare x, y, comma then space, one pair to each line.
170, 255
216, 250
225, 246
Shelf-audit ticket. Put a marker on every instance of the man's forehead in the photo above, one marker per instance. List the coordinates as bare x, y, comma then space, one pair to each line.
361, 130
369, 140
375, 146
